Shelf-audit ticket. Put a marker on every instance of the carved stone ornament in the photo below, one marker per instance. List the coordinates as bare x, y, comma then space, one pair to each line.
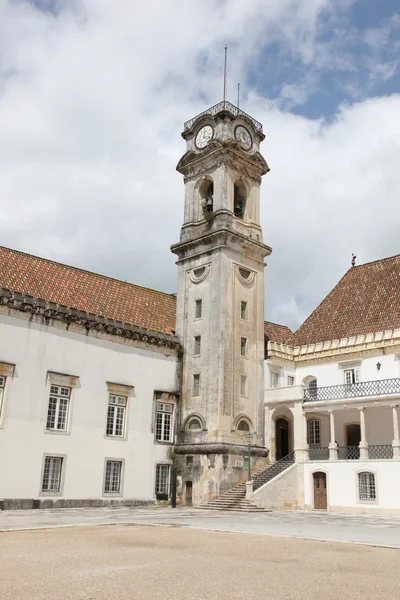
245, 276
199, 274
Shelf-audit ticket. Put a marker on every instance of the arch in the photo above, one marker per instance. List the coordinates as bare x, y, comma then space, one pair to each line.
243, 418
205, 187
243, 425
194, 422
239, 198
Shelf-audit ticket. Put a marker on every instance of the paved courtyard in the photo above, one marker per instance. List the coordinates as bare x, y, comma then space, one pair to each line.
361, 529
167, 563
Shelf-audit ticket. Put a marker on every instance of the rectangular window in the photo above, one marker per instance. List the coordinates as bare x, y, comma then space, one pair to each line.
243, 385
2, 387
164, 422
313, 432
366, 486
52, 474
189, 460
350, 376
199, 309
112, 482
274, 380
116, 416
196, 384
243, 310
243, 346
57, 414
197, 344
162, 479
290, 380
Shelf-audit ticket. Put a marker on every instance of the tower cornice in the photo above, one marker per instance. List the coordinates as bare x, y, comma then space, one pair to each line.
228, 152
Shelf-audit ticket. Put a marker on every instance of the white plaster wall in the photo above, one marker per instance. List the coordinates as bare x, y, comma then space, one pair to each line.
36, 349
342, 484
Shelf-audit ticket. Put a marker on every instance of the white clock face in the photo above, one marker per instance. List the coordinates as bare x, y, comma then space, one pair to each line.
243, 136
204, 136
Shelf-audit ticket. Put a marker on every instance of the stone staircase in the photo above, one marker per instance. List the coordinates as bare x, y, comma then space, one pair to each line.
235, 499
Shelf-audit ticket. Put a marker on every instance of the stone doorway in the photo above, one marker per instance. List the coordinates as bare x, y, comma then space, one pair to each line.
281, 438
320, 496
189, 493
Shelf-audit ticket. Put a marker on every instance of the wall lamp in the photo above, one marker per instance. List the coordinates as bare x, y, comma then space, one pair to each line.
378, 366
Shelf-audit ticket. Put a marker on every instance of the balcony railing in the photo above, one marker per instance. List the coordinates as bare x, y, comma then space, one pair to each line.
224, 106
362, 389
383, 451
317, 453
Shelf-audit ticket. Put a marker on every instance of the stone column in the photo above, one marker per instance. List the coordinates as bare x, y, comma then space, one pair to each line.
363, 442
301, 443
396, 438
333, 449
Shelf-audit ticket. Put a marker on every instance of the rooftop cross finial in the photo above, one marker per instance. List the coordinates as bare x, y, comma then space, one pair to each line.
353, 260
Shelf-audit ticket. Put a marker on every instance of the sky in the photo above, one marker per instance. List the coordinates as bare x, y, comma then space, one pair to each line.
93, 97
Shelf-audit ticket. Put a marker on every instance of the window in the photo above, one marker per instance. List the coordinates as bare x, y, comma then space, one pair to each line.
243, 426
196, 384
243, 385
312, 386
162, 479
164, 422
199, 309
313, 432
243, 346
197, 344
195, 424
2, 386
243, 310
290, 380
350, 376
57, 414
116, 416
366, 486
112, 481
52, 474
189, 460
274, 380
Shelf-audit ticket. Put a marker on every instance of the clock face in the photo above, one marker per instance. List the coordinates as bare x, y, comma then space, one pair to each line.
243, 136
204, 135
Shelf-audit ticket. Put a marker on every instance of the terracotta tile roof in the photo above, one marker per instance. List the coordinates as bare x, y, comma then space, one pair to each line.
277, 333
87, 291
366, 300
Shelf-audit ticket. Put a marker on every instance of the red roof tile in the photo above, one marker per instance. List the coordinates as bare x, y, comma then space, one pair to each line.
366, 300
76, 288
277, 333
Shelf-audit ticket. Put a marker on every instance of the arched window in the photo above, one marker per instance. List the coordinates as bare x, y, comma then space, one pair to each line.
313, 432
312, 386
239, 200
366, 486
194, 424
243, 426
206, 191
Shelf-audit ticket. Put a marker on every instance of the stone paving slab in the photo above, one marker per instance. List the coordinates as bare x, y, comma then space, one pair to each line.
338, 527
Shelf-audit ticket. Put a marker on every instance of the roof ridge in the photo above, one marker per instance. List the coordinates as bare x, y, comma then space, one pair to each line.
54, 262
371, 262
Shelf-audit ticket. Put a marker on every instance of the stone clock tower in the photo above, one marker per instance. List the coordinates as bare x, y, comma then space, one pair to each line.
220, 303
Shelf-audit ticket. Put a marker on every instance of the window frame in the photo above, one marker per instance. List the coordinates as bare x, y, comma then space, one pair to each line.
243, 347
162, 467
368, 486
58, 397
290, 378
272, 376
6, 372
3, 387
316, 432
244, 305
121, 461
196, 384
354, 375
164, 414
197, 345
198, 303
116, 406
243, 386
63, 459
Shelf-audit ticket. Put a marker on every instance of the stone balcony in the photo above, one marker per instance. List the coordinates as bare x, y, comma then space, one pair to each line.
284, 394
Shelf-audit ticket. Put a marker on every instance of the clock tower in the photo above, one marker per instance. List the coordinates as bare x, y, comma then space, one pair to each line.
220, 303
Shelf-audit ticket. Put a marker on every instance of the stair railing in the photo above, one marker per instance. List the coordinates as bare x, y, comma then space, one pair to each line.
279, 466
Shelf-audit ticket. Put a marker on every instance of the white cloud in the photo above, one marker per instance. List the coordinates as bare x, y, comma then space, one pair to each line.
92, 103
